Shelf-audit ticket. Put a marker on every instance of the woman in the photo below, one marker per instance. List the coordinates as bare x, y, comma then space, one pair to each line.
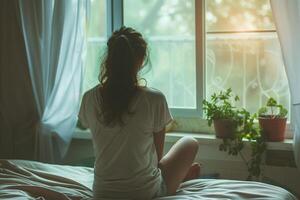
128, 123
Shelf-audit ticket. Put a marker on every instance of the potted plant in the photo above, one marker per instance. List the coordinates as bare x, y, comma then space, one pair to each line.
235, 126
272, 120
221, 112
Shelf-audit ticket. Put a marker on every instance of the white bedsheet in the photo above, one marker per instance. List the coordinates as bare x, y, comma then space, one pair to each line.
34, 180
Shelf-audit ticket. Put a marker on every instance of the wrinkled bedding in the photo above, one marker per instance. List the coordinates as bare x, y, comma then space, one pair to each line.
33, 180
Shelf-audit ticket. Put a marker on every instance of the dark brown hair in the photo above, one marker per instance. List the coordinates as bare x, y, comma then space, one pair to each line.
126, 53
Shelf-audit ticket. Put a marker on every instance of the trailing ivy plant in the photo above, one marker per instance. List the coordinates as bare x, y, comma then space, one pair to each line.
273, 110
221, 107
251, 132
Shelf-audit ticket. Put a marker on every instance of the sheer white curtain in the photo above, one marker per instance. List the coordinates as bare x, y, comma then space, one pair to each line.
287, 19
54, 35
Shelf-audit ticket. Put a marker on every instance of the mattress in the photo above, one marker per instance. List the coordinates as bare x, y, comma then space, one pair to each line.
34, 180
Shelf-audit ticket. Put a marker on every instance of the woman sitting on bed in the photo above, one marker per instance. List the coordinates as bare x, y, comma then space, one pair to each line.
128, 123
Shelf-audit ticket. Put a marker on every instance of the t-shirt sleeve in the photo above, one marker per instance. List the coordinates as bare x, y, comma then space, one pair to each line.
83, 112
162, 115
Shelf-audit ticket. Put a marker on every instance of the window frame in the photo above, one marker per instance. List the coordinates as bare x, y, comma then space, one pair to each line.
114, 15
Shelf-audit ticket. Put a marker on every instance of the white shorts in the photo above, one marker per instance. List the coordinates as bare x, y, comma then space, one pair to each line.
162, 191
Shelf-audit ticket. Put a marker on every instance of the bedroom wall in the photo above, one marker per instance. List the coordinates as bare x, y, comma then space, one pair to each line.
213, 162
17, 108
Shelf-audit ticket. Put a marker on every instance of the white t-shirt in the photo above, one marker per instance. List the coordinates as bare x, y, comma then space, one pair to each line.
126, 160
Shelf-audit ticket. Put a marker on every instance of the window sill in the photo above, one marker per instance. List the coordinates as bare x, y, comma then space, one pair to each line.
203, 139
210, 139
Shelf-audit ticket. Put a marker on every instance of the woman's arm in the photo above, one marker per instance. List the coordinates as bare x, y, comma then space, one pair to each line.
159, 140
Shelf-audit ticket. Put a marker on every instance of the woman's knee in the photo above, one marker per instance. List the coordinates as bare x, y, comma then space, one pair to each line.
191, 143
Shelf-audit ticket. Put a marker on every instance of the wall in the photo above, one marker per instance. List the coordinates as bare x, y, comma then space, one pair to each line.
18, 114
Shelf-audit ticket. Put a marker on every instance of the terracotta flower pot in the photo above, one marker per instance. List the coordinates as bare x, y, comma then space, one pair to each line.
273, 128
224, 128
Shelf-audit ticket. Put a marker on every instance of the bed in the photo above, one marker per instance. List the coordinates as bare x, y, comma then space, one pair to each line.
34, 180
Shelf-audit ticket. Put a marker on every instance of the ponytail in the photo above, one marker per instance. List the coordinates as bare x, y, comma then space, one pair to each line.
125, 50
122, 61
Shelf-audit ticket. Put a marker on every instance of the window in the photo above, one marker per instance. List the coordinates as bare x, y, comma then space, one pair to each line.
169, 27
96, 41
197, 48
243, 52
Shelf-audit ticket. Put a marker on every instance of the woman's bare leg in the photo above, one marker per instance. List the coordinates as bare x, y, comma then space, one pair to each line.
177, 162
193, 173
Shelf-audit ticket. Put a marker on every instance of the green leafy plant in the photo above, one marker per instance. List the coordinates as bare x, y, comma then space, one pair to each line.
273, 110
272, 120
221, 107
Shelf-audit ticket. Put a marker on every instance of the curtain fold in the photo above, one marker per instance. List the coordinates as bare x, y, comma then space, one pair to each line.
54, 34
286, 14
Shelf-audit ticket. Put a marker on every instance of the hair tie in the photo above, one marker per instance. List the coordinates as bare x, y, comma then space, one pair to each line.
122, 36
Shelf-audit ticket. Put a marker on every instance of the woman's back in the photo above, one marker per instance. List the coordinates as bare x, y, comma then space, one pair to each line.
126, 161
128, 127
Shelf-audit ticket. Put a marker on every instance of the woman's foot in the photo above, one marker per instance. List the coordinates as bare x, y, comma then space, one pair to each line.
193, 173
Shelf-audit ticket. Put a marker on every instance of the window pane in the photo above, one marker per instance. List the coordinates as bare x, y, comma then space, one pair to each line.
238, 15
249, 63
92, 66
97, 21
96, 43
169, 27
